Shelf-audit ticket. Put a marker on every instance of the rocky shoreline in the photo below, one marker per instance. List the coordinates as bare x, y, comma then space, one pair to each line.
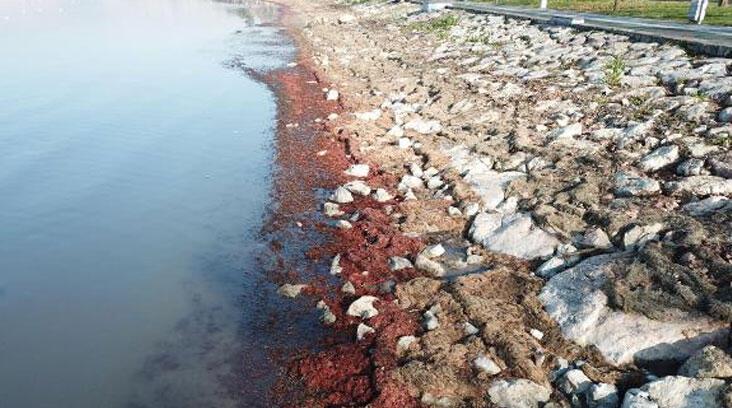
510, 214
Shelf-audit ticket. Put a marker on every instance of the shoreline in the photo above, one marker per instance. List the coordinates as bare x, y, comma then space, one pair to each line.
423, 302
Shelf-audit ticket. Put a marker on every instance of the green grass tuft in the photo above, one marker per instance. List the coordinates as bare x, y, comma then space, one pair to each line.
614, 71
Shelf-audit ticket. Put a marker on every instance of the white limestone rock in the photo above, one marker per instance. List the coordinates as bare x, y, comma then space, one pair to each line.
348, 288
602, 395
575, 300
434, 268
430, 321
513, 234
677, 392
335, 265
486, 364
332, 209
358, 187
332, 95
363, 307
362, 330
369, 116
358, 170
410, 182
424, 127
518, 393
434, 251
397, 263
341, 195
290, 290
382, 196
404, 343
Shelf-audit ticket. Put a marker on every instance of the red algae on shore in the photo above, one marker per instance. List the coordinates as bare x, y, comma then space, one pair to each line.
311, 156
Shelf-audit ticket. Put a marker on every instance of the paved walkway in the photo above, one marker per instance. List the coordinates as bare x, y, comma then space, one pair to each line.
703, 39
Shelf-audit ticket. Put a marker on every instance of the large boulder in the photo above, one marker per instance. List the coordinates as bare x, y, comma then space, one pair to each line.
575, 300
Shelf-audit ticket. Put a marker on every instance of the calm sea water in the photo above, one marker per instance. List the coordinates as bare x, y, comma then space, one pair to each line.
134, 176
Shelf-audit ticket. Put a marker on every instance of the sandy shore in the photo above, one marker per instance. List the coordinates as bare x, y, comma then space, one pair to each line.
493, 213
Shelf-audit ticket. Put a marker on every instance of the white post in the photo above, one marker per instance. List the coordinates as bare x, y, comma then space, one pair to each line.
543, 4
698, 10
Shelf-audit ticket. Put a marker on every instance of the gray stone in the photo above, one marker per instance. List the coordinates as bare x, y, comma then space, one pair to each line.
574, 382
631, 185
595, 238
701, 186
518, 393
707, 205
556, 264
659, 158
639, 235
691, 167
710, 362
725, 115
634, 132
721, 168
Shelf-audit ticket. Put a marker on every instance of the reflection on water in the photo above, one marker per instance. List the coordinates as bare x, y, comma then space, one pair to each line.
134, 175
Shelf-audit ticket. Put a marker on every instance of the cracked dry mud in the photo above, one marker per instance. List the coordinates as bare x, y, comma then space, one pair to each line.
543, 218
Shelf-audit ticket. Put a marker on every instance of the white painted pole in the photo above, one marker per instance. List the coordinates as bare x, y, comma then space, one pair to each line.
698, 10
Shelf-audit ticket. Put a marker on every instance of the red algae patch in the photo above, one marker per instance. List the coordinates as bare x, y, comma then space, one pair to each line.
311, 156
